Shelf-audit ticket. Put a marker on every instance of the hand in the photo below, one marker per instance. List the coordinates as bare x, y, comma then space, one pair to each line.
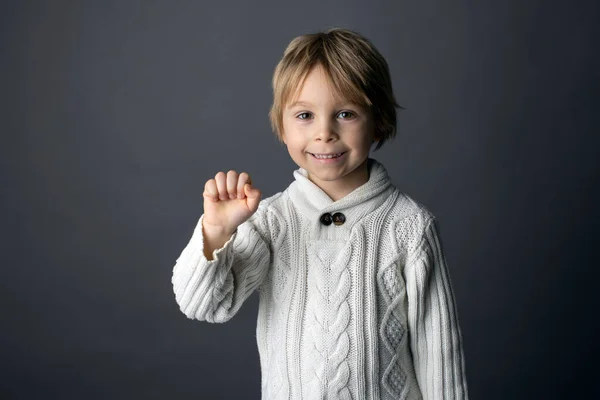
229, 200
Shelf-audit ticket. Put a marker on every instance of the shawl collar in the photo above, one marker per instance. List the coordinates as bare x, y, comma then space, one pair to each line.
313, 202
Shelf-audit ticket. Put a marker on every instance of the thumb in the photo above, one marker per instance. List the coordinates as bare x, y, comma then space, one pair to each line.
253, 196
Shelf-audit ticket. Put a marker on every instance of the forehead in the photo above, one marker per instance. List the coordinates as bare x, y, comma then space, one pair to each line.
317, 85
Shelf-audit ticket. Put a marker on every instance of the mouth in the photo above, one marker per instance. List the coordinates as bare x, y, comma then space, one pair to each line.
326, 156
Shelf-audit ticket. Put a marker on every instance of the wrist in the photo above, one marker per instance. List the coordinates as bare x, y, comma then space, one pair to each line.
217, 231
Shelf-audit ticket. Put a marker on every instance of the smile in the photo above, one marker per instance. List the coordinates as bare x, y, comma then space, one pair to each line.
325, 156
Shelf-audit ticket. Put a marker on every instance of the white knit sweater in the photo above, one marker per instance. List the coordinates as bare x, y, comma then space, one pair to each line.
362, 310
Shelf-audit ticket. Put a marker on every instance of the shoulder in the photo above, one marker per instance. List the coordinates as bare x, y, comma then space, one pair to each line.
268, 211
268, 219
406, 208
410, 219
273, 205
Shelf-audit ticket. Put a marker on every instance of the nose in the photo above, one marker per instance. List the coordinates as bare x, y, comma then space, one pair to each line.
326, 132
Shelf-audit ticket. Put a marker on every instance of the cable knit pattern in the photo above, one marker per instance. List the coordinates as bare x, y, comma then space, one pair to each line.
394, 324
274, 382
327, 320
362, 310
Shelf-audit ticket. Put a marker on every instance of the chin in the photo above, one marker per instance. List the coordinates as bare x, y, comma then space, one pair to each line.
327, 177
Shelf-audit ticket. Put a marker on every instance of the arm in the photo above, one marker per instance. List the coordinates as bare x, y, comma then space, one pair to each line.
214, 290
436, 340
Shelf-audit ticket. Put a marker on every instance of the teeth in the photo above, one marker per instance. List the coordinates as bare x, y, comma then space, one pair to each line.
327, 156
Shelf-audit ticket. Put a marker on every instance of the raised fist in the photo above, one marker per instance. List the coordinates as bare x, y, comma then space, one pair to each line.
229, 200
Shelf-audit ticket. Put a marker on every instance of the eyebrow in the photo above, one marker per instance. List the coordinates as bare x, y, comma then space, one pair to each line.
299, 103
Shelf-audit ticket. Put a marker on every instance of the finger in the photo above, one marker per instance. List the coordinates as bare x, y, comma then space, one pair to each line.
242, 180
210, 190
253, 195
220, 179
232, 178
251, 191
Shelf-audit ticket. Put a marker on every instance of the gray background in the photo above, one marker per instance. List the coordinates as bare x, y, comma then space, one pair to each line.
114, 114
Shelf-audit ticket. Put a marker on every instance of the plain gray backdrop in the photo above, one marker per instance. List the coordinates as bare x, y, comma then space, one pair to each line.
115, 113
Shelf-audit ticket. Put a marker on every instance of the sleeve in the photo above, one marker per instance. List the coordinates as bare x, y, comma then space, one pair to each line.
214, 290
435, 335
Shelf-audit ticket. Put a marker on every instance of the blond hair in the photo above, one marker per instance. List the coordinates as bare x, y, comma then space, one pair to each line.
353, 65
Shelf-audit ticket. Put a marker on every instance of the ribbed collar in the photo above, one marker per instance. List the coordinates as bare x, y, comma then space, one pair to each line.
313, 202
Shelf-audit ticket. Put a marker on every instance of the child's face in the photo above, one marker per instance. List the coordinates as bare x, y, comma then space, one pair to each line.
320, 122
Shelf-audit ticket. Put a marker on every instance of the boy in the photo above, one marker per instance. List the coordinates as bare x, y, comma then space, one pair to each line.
355, 296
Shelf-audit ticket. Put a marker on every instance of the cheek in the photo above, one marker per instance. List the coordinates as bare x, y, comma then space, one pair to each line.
287, 133
292, 136
362, 138
294, 144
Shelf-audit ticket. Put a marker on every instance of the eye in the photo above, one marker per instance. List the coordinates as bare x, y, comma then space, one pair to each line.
303, 115
346, 114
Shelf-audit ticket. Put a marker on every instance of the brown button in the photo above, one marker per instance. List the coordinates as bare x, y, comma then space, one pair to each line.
339, 218
326, 219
